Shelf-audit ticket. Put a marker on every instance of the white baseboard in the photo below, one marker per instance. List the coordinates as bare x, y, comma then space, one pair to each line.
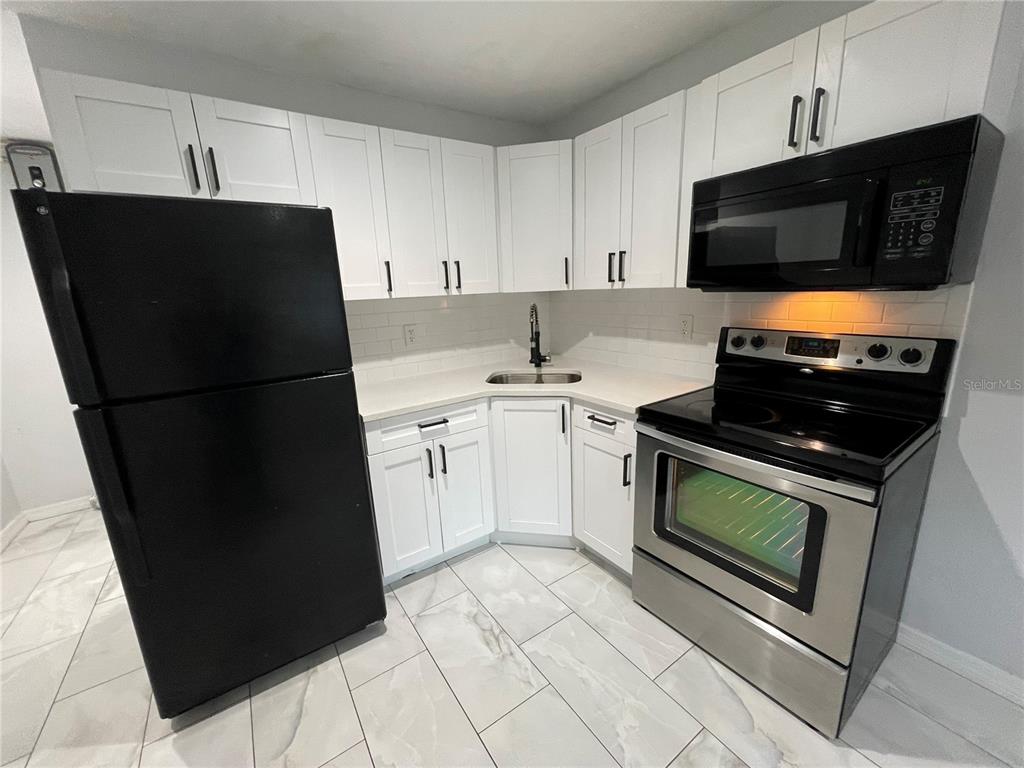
27, 516
964, 664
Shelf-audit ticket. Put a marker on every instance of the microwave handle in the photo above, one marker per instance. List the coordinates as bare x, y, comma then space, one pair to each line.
866, 221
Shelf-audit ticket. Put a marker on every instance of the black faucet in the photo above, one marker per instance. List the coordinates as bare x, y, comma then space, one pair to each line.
536, 358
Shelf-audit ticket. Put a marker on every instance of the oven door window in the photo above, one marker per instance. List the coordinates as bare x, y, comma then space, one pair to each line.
810, 235
767, 538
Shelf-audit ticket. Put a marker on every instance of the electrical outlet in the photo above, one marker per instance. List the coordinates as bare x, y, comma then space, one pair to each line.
412, 334
686, 326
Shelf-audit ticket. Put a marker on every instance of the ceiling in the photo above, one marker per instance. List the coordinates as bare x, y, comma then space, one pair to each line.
532, 62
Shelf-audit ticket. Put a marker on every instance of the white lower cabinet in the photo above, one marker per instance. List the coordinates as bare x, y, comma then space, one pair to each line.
602, 480
532, 471
432, 497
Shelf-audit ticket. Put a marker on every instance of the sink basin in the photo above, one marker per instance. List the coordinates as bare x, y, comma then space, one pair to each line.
534, 377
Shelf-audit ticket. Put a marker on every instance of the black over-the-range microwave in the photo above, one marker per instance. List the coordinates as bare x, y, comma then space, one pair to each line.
906, 211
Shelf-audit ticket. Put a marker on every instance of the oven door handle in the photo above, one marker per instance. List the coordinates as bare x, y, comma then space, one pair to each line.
839, 487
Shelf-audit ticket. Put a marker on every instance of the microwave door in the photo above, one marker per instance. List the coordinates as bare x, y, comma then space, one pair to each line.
809, 236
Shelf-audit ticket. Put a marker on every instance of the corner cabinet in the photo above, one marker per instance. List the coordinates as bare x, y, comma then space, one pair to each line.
535, 216
626, 197
532, 464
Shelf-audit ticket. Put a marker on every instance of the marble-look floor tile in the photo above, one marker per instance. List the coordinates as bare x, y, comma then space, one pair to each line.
488, 673
6, 617
42, 535
20, 763
985, 718
412, 718
91, 520
221, 740
636, 721
380, 646
547, 564
521, 604
56, 608
84, 549
302, 714
756, 729
607, 605
28, 684
544, 731
894, 735
158, 727
427, 589
356, 757
102, 726
112, 587
706, 751
19, 577
109, 648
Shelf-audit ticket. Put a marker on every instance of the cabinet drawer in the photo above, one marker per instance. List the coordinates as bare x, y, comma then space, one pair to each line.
412, 428
602, 421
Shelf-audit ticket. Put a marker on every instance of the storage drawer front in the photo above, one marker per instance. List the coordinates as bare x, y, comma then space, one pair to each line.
430, 424
603, 421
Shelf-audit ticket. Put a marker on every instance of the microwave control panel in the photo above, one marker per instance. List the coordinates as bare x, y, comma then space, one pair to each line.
918, 220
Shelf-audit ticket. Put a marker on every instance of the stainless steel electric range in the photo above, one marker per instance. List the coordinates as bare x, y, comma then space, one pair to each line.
777, 511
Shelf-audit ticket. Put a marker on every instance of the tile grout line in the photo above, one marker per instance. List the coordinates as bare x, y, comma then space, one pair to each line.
584, 722
96, 685
687, 744
252, 725
952, 672
359, 720
145, 727
586, 562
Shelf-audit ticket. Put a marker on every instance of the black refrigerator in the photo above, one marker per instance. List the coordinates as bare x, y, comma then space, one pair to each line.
205, 346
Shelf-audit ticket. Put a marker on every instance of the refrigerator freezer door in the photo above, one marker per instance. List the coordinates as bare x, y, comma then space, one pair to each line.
151, 296
242, 526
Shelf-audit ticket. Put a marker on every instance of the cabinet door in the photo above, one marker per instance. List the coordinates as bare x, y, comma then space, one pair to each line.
532, 470
464, 486
405, 502
698, 155
472, 216
415, 195
122, 137
602, 480
889, 67
597, 189
762, 106
255, 153
350, 181
652, 139
535, 215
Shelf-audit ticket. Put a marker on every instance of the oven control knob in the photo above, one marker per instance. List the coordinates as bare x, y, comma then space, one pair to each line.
738, 342
757, 341
911, 356
878, 351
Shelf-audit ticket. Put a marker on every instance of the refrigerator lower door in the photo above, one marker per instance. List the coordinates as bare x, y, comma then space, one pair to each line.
242, 525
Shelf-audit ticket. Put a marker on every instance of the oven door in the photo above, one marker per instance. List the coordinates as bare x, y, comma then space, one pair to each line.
804, 236
790, 548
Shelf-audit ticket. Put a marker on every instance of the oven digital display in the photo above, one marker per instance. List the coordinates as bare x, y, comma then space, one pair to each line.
808, 346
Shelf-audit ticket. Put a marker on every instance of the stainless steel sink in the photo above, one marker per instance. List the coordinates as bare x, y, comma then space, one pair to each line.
534, 377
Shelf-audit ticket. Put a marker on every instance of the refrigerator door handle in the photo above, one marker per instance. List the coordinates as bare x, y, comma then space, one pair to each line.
51, 273
110, 490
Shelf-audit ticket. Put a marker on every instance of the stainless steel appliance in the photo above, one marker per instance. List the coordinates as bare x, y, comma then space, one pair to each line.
776, 511
903, 211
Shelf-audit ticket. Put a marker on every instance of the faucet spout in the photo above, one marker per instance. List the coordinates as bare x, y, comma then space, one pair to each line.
536, 358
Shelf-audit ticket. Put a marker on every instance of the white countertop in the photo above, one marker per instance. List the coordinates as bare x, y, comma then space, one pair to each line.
610, 386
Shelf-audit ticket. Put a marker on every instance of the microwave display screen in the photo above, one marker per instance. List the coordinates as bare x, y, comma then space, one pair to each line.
761, 233
805, 346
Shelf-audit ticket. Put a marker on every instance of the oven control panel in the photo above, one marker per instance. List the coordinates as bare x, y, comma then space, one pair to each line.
839, 350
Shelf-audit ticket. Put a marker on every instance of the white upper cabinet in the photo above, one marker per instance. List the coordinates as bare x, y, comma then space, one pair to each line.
350, 181
889, 67
652, 139
415, 200
698, 153
535, 215
626, 195
597, 189
122, 137
762, 106
255, 153
471, 215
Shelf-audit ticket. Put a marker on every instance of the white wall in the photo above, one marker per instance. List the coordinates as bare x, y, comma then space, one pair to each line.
67, 48
967, 583
41, 452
